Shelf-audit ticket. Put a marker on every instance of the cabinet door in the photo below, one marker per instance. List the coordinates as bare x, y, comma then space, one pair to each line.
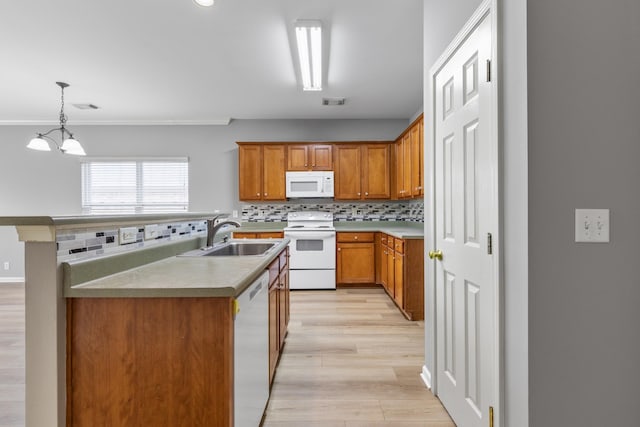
416, 160
421, 138
398, 293
250, 172
321, 157
376, 172
274, 348
347, 172
273, 172
282, 308
399, 158
391, 271
297, 157
406, 160
355, 263
382, 261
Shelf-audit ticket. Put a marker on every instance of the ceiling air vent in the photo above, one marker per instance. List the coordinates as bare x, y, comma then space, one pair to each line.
86, 106
333, 101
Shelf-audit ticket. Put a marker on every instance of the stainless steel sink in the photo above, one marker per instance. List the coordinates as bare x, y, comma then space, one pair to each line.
234, 249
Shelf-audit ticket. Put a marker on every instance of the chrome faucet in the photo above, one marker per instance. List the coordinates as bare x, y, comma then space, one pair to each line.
213, 229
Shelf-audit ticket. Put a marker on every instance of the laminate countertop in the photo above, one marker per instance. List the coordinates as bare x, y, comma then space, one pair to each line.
181, 276
400, 229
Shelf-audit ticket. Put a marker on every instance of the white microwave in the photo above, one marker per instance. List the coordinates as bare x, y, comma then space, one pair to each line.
309, 184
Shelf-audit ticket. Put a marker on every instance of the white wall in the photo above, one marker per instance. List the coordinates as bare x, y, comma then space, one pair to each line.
48, 183
584, 152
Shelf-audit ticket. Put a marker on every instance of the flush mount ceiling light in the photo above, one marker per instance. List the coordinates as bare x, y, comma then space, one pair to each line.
69, 144
309, 41
205, 3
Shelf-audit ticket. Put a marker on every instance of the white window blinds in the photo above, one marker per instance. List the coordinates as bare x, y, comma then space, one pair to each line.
135, 185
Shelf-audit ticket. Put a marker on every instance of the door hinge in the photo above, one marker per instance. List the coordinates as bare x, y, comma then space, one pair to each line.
490, 416
489, 244
488, 70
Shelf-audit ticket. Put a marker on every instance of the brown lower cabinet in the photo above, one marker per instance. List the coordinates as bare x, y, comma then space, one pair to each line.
279, 308
158, 361
402, 273
355, 258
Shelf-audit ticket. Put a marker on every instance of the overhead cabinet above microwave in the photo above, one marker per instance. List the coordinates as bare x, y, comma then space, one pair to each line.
309, 157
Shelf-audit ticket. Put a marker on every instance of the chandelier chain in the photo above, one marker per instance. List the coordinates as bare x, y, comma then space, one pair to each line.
63, 118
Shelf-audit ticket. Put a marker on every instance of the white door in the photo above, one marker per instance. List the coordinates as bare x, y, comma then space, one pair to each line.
466, 210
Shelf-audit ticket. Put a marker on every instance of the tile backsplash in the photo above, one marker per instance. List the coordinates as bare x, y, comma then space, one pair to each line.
411, 211
84, 243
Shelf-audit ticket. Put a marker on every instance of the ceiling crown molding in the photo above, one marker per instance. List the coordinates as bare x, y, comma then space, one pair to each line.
214, 122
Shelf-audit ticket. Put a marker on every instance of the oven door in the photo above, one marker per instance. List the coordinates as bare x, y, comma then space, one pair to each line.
312, 249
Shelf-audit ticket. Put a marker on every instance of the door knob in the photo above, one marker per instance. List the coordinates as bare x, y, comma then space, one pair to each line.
435, 254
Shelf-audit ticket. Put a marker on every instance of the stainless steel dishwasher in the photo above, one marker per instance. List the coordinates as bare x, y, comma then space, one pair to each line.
251, 353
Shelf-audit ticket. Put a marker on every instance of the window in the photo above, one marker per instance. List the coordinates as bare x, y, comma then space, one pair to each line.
138, 185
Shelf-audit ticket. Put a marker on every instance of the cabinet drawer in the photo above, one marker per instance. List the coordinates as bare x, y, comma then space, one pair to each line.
390, 242
244, 235
283, 258
399, 245
355, 237
270, 235
274, 271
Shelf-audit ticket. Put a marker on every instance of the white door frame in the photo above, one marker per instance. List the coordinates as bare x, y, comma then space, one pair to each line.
429, 372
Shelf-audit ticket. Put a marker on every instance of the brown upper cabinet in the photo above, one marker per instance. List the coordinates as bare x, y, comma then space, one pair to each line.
362, 171
409, 162
261, 171
306, 157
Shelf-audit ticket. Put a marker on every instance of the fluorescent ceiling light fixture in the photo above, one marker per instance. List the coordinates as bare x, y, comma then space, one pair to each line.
309, 41
204, 2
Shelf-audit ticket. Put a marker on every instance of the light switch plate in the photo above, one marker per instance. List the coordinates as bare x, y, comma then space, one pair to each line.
592, 225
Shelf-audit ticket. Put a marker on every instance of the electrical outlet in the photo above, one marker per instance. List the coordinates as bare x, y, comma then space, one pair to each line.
150, 231
6, 265
234, 214
128, 235
592, 225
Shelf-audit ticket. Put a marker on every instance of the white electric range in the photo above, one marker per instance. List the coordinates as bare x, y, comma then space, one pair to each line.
312, 251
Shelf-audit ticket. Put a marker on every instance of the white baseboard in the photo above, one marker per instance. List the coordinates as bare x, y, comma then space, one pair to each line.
11, 279
426, 376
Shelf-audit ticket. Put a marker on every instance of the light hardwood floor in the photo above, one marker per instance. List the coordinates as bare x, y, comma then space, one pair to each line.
11, 355
350, 360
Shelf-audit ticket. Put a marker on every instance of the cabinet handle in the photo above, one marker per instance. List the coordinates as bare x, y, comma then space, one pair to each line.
257, 194
366, 194
265, 194
339, 249
313, 166
356, 237
358, 194
305, 165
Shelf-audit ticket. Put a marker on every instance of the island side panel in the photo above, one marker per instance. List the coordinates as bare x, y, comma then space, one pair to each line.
150, 362
44, 337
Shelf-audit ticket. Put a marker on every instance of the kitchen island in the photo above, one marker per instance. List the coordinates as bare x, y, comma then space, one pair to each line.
130, 335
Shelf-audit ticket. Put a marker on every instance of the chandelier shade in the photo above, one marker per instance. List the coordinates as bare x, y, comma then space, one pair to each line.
39, 143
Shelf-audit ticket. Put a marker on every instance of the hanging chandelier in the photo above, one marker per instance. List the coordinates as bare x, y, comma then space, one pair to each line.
69, 144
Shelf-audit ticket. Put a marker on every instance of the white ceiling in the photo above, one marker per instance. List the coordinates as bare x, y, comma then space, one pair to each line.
147, 61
